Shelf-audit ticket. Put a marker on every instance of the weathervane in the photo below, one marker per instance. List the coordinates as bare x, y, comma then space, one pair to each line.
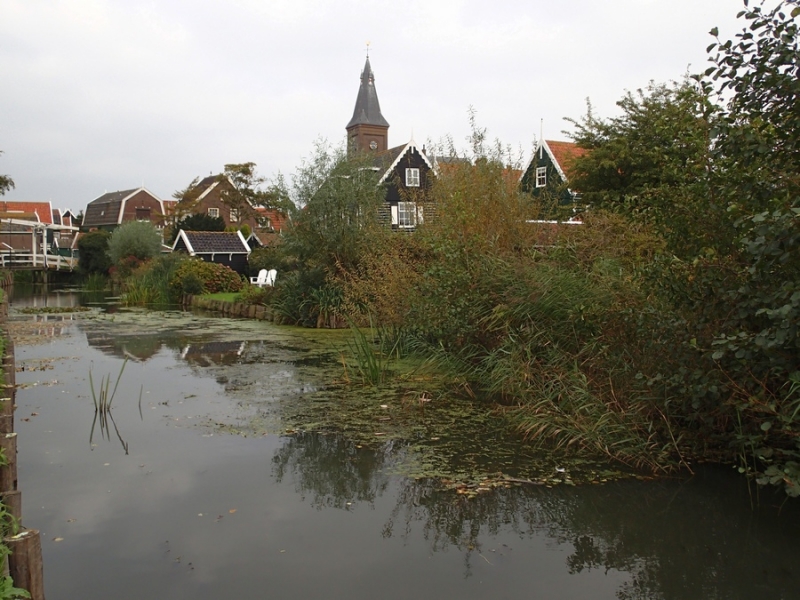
368, 43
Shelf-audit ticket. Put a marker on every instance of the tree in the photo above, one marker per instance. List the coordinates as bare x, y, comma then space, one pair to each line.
196, 222
138, 239
757, 152
339, 199
6, 183
335, 225
248, 191
93, 252
652, 164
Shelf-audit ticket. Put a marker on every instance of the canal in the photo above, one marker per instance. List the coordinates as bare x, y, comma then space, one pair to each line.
226, 472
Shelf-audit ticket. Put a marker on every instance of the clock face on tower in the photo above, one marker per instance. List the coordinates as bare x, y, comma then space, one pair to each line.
373, 145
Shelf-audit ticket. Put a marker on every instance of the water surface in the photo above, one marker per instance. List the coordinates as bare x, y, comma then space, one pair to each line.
222, 495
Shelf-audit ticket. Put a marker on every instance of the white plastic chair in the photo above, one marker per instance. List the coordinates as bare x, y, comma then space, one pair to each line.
271, 275
261, 280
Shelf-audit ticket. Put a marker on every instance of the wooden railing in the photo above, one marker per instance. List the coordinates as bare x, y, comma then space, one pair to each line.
14, 259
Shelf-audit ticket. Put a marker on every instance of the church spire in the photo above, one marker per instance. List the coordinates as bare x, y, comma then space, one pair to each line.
367, 129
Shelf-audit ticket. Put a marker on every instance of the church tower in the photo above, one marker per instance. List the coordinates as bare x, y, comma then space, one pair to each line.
367, 131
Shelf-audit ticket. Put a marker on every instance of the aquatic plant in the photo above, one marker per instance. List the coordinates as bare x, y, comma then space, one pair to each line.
372, 363
95, 282
150, 283
102, 405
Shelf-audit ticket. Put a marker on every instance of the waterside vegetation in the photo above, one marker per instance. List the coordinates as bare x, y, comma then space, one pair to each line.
661, 332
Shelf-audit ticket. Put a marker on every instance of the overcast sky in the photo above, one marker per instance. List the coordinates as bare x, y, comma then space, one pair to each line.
102, 95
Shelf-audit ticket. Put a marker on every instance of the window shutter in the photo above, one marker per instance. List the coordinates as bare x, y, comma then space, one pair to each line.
394, 215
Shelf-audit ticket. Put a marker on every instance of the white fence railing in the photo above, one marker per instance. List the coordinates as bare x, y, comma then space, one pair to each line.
21, 260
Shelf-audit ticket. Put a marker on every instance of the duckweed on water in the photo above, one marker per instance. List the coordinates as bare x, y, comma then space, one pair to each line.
290, 381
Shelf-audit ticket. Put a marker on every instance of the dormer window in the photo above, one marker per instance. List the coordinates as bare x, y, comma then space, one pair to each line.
412, 177
541, 177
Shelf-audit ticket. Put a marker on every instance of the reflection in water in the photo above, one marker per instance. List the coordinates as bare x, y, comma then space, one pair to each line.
105, 431
673, 539
102, 407
213, 353
333, 471
676, 539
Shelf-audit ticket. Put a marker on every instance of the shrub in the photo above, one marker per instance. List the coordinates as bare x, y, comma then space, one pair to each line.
139, 239
149, 283
252, 294
93, 252
213, 278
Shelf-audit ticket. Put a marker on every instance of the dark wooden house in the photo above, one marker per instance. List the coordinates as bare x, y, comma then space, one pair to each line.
405, 171
548, 170
407, 174
227, 248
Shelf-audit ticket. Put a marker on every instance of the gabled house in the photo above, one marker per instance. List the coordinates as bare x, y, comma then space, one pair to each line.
405, 170
208, 197
112, 209
407, 174
32, 227
548, 170
227, 248
211, 196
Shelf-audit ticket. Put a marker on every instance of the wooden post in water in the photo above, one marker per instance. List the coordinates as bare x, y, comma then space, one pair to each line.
25, 563
13, 503
8, 473
6, 416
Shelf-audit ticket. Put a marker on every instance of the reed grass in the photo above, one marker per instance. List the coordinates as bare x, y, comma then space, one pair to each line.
102, 406
371, 361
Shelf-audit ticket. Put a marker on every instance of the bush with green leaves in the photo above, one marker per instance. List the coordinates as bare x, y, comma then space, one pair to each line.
195, 275
336, 228
93, 252
148, 284
139, 239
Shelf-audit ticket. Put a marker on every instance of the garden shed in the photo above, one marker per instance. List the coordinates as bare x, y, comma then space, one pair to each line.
227, 248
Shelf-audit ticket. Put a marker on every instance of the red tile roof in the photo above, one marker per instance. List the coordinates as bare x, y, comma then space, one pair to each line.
41, 209
565, 153
276, 218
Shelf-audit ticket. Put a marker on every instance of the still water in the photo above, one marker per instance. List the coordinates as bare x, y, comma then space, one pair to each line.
181, 496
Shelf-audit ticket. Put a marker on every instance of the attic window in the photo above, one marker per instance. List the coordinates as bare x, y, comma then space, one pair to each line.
541, 176
412, 177
142, 214
213, 212
234, 215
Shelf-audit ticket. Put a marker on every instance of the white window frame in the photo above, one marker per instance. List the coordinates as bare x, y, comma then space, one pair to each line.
541, 177
213, 212
234, 215
406, 215
412, 177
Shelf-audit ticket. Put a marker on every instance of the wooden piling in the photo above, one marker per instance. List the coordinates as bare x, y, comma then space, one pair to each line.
13, 502
25, 563
8, 473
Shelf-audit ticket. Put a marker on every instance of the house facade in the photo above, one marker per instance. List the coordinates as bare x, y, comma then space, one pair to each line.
212, 196
112, 209
548, 170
